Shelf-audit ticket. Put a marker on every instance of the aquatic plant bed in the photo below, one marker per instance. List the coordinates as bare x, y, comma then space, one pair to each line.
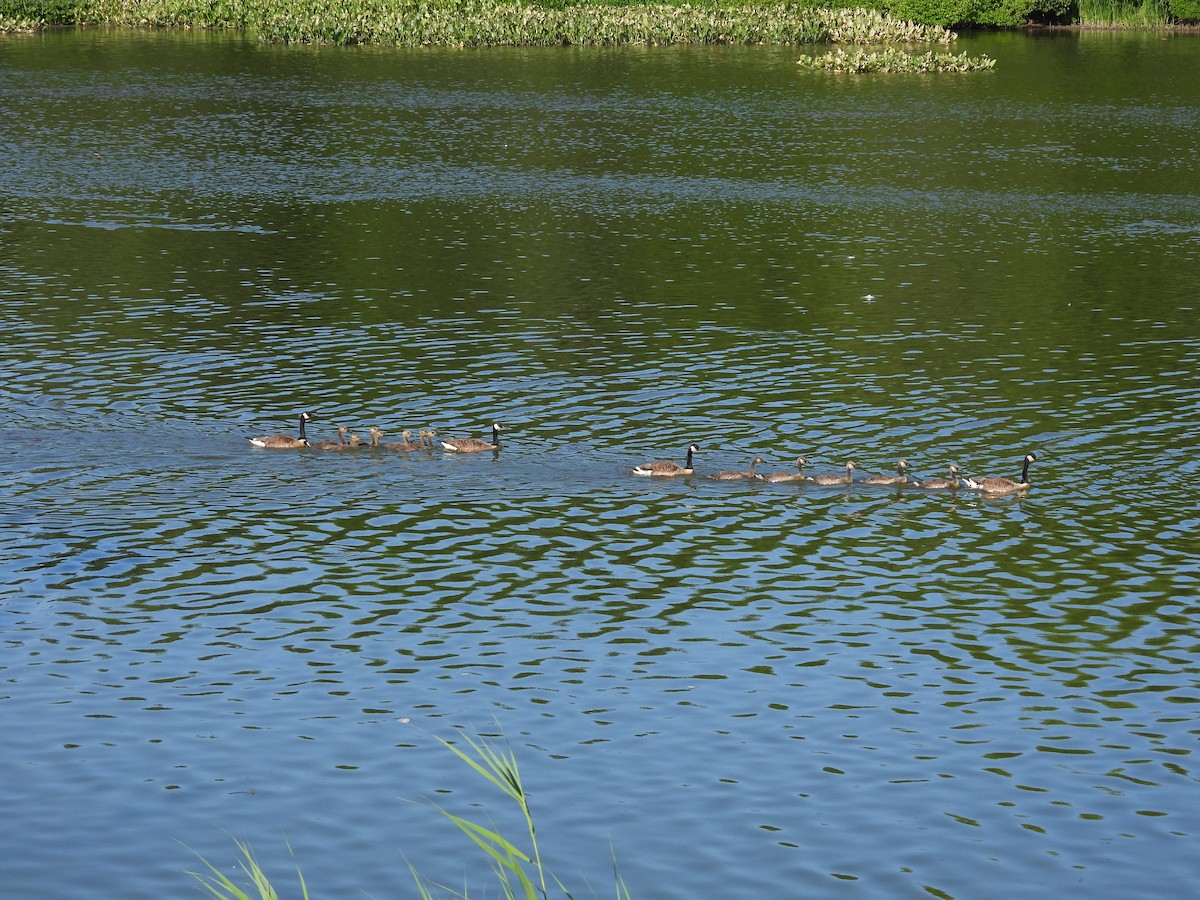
479, 23
895, 61
473, 24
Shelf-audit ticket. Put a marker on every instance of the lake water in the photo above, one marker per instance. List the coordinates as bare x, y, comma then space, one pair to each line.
734, 689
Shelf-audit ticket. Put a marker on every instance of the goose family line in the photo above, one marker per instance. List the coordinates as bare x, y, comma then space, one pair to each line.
956, 481
424, 441
657, 469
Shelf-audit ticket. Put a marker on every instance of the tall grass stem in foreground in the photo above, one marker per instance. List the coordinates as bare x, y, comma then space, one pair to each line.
221, 886
520, 875
508, 861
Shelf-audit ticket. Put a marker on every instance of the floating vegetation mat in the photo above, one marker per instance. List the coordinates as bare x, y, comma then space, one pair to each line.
482, 23
478, 23
893, 61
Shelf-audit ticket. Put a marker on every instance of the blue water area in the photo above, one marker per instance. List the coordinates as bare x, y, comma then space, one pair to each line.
718, 689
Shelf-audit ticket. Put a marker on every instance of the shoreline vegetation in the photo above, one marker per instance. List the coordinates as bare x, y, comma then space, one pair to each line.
483, 23
491, 23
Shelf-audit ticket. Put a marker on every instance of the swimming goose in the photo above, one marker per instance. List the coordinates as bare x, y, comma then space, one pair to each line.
939, 484
835, 479
425, 436
474, 445
1001, 485
898, 478
284, 441
406, 445
798, 475
735, 475
664, 469
329, 443
355, 443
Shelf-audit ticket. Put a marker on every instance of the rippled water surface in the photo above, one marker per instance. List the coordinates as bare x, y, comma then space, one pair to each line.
736, 689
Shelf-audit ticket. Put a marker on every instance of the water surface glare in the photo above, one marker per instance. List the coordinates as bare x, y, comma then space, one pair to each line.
737, 689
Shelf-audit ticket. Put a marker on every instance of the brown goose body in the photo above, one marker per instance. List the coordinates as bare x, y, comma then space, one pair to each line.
329, 443
665, 468
474, 445
899, 478
284, 441
735, 475
798, 475
1001, 485
835, 479
407, 445
939, 484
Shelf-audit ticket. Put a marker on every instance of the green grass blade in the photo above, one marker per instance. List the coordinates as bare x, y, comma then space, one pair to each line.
506, 856
217, 883
299, 874
500, 770
421, 888
498, 847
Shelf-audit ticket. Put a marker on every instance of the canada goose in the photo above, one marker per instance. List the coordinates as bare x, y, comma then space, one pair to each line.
1001, 485
426, 436
939, 484
666, 468
284, 441
898, 478
406, 445
798, 475
835, 479
735, 475
329, 443
474, 445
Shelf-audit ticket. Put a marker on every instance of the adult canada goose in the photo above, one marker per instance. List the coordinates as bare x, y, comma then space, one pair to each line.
329, 443
1001, 485
735, 475
939, 484
835, 479
284, 441
798, 475
474, 445
666, 469
898, 478
407, 445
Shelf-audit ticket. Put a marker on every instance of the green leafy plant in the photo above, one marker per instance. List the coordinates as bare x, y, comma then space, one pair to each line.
1185, 10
